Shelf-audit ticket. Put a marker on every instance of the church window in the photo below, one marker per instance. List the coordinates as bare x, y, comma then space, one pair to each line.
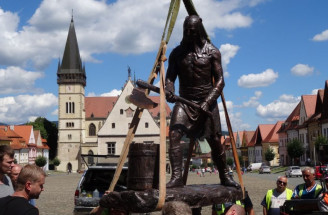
129, 112
70, 107
90, 158
92, 130
113, 125
69, 136
111, 148
121, 111
146, 125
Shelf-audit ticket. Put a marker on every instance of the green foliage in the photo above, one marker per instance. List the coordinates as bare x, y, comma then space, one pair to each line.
49, 131
210, 164
295, 149
194, 166
202, 165
56, 161
41, 161
321, 140
269, 154
229, 161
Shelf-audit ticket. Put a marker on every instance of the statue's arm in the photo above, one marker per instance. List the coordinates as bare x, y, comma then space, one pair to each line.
171, 76
218, 80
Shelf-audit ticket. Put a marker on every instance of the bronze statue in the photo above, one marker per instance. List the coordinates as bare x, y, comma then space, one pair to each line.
197, 63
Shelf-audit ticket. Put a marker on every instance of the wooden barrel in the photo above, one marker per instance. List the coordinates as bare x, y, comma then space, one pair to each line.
143, 166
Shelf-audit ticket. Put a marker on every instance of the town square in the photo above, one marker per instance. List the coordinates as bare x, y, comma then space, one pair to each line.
145, 107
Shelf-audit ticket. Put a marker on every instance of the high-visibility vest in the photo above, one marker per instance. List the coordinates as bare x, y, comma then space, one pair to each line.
269, 194
301, 187
220, 211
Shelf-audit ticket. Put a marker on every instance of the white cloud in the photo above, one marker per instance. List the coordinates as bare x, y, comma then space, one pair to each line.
17, 80
228, 51
253, 101
302, 70
55, 112
321, 37
278, 109
22, 108
315, 91
236, 121
107, 27
258, 80
114, 92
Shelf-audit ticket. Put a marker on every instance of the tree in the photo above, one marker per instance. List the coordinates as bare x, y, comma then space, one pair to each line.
229, 161
269, 154
295, 149
56, 162
41, 161
49, 131
321, 147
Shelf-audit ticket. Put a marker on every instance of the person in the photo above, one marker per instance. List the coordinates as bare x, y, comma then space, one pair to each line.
15, 170
30, 183
176, 208
197, 64
247, 205
323, 198
310, 189
235, 210
6, 163
276, 197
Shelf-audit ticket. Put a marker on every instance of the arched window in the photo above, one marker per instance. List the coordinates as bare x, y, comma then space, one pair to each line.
90, 158
92, 130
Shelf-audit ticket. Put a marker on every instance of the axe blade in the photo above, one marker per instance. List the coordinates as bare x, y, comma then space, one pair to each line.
139, 99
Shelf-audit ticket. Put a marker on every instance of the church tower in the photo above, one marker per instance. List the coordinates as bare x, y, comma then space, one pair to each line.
71, 80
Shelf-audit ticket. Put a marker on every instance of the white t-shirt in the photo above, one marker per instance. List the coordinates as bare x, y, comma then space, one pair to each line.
277, 200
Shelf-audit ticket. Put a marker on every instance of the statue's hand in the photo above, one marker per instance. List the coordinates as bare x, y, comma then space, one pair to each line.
170, 97
204, 106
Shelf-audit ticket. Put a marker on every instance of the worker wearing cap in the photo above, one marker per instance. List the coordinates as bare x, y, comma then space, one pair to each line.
323, 198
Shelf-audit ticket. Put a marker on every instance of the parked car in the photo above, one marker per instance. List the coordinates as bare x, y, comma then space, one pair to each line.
96, 180
294, 171
320, 171
96, 177
264, 169
254, 166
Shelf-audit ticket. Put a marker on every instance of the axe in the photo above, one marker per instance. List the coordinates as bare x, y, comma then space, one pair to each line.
139, 98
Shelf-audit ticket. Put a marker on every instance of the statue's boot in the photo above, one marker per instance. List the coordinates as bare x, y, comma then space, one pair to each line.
226, 180
175, 155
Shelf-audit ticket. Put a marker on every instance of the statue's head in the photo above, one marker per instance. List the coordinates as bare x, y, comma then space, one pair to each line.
192, 29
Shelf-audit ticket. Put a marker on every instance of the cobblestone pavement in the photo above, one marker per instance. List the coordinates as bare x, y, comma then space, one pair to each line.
58, 197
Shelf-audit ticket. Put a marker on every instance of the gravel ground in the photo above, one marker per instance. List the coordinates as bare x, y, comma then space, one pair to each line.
58, 197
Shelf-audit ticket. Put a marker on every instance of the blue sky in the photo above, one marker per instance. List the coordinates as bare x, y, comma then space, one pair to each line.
273, 51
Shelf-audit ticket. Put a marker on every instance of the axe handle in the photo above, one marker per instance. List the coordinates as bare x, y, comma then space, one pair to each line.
145, 85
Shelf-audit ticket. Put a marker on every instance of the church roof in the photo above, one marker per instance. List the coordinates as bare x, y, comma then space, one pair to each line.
71, 70
100, 107
71, 58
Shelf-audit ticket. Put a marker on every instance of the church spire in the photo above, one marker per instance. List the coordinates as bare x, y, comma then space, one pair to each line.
71, 69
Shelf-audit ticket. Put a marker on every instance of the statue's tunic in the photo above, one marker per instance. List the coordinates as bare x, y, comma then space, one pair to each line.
196, 76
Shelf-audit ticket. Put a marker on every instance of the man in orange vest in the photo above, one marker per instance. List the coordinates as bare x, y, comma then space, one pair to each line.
275, 198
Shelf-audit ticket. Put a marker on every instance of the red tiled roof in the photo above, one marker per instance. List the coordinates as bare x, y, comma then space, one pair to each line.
273, 135
24, 131
248, 136
100, 107
309, 103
